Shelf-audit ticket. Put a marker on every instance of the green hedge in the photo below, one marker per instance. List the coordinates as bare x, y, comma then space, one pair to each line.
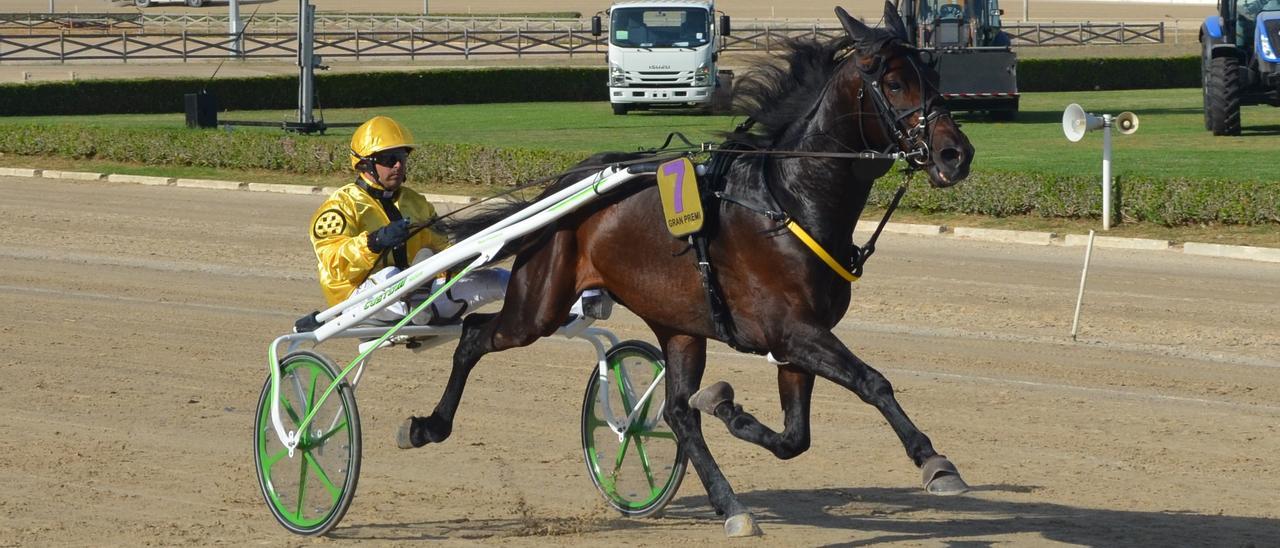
350, 90
450, 162
1169, 202
1108, 74
1164, 201
507, 85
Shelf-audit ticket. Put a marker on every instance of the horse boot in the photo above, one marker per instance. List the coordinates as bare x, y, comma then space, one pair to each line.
709, 398
942, 478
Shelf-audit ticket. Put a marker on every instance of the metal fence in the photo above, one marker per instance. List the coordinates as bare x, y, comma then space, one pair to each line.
412, 43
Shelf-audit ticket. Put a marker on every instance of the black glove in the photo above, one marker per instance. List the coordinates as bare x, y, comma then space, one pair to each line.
389, 237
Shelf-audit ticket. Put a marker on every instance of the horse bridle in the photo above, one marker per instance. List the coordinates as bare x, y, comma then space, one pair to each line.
893, 120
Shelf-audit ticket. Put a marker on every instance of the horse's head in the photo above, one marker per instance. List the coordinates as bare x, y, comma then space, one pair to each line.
904, 90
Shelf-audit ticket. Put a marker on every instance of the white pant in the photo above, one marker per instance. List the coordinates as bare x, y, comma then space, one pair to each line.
474, 290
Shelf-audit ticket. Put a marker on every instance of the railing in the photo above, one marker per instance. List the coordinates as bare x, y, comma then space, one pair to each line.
411, 43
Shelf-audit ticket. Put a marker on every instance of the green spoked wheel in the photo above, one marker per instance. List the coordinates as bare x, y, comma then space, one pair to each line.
641, 473
309, 492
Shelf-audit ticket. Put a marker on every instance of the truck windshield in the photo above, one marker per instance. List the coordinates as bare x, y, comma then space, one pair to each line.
659, 27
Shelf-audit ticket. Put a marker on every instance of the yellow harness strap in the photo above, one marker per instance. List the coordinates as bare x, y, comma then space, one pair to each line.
821, 253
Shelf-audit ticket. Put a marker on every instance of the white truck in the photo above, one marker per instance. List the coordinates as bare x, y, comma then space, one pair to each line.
663, 53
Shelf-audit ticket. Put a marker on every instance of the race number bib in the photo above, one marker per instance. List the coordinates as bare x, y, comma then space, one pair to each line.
681, 203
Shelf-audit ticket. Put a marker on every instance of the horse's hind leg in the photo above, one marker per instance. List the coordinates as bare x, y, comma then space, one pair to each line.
795, 387
818, 351
538, 299
686, 357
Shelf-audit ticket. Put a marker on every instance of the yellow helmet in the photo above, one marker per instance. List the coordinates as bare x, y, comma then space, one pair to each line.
378, 134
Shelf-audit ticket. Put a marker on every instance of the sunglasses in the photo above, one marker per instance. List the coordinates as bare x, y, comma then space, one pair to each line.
390, 158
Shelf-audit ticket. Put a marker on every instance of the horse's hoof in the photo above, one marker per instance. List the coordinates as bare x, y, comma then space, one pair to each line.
404, 436
707, 399
741, 525
942, 478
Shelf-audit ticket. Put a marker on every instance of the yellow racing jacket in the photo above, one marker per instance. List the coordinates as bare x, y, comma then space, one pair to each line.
340, 231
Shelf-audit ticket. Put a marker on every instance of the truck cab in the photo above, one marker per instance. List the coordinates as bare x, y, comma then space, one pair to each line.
662, 53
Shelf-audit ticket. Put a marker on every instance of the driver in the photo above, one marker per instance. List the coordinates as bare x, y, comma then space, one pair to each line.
362, 234
1247, 16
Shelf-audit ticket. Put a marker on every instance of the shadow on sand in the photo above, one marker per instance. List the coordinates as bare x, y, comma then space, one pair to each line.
973, 521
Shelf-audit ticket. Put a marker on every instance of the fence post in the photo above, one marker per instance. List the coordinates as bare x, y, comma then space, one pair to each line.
519, 42
1122, 36
571, 42
466, 43
125, 39
357, 44
767, 39
62, 46
413, 47
184, 45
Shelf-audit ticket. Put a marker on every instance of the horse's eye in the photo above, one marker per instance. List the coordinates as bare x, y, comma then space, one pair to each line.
895, 86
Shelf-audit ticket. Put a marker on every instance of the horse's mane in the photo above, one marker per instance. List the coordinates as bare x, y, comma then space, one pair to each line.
776, 95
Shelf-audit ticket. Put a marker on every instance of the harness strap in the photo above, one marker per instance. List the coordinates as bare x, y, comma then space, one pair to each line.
817, 249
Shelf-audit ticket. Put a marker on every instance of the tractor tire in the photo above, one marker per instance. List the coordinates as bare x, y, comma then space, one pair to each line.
620, 109
1223, 96
1206, 57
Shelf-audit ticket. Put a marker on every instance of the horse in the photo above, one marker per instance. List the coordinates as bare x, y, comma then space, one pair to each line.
867, 91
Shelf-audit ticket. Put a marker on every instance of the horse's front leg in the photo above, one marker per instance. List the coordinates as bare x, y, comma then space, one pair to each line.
795, 388
818, 351
686, 357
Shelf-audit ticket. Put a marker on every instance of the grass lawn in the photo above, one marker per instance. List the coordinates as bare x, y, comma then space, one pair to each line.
1171, 142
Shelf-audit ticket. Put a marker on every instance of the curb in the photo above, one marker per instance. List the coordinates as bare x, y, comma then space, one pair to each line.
1265, 254
1005, 236
1240, 252
74, 175
1082, 240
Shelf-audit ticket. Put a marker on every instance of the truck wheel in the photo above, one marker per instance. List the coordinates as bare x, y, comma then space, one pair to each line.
1223, 96
620, 108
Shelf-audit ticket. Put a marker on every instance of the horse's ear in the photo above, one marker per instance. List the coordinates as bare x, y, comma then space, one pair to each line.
893, 21
856, 30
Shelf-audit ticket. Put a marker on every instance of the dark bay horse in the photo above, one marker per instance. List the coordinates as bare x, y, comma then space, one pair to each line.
868, 91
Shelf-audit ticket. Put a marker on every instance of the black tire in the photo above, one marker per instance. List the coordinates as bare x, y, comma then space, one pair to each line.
620, 109
1223, 96
1205, 57
320, 460
642, 486
1003, 115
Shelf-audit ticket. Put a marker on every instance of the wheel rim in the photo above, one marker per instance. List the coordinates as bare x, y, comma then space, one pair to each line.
306, 491
639, 473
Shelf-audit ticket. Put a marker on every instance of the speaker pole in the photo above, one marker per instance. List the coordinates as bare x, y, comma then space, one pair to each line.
1106, 172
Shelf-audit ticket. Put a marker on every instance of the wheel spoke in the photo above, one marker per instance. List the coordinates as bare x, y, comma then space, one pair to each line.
320, 440
334, 491
624, 390
644, 463
622, 453
302, 485
655, 434
273, 459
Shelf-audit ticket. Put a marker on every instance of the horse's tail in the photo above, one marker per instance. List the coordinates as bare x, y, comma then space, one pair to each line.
461, 227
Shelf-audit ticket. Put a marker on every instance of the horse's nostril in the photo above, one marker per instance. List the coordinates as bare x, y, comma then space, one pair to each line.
950, 155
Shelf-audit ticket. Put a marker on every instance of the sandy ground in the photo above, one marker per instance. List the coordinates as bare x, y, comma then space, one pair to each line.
138, 319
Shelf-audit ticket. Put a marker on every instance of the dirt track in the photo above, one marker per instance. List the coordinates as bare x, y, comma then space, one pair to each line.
137, 320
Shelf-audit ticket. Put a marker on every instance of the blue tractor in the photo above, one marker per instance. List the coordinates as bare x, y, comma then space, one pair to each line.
1239, 63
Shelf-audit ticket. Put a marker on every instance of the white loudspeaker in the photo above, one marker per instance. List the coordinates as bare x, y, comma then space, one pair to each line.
1126, 123
1076, 122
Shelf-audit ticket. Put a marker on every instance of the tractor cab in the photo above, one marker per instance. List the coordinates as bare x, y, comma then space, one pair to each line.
947, 24
972, 55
